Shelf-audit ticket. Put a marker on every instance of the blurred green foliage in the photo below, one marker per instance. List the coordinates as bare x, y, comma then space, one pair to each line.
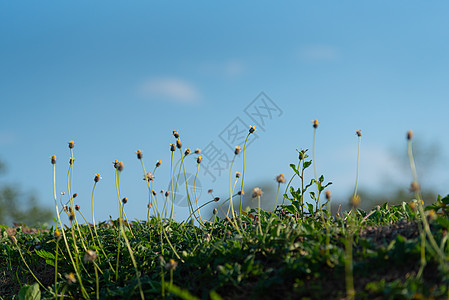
19, 207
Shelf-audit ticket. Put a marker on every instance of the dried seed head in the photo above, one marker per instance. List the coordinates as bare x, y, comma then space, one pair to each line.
139, 154
207, 236
97, 177
210, 191
241, 192
238, 174
71, 160
328, 195
414, 187
215, 211
257, 192
413, 205
125, 200
71, 144
72, 215
66, 208
154, 192
409, 135
199, 159
315, 123
70, 278
179, 144
74, 195
90, 256
158, 163
216, 199
187, 152
280, 178
252, 129
198, 151
118, 165
167, 193
355, 200
149, 177
171, 265
358, 132
237, 150
57, 235
172, 147
175, 134
431, 214
53, 159
77, 207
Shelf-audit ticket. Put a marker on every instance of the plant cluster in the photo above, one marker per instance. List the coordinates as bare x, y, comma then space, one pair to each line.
298, 250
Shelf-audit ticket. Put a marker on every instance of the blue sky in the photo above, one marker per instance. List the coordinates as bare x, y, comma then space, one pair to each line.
116, 77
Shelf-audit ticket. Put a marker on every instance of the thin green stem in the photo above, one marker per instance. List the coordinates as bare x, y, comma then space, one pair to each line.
122, 232
313, 153
357, 170
243, 176
231, 190
172, 189
194, 190
276, 199
74, 263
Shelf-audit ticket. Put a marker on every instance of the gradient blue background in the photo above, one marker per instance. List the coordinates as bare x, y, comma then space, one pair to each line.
116, 77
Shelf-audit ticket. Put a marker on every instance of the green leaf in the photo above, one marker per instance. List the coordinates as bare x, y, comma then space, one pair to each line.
312, 195
50, 262
44, 254
445, 200
290, 209
181, 293
294, 168
443, 221
306, 164
30, 292
214, 296
310, 206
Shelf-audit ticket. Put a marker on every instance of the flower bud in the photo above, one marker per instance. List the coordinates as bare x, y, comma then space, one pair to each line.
237, 150
139, 154
97, 177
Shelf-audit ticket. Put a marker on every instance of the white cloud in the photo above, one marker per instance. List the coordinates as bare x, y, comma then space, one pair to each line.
170, 88
319, 53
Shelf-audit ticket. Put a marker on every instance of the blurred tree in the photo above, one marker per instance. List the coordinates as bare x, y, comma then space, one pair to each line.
16, 207
428, 158
370, 200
